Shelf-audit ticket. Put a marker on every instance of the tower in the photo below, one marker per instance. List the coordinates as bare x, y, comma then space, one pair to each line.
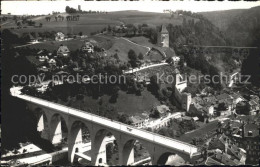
79, 8
163, 37
186, 101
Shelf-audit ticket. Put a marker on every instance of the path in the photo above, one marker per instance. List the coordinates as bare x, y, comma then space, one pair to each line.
27, 44
142, 68
233, 47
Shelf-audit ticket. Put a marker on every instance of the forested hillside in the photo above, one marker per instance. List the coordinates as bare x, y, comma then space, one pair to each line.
222, 19
241, 26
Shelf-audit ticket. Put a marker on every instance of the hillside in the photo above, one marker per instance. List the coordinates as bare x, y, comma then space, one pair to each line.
245, 27
240, 25
96, 22
222, 19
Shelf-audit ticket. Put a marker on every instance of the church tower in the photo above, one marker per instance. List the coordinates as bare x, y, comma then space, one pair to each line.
163, 37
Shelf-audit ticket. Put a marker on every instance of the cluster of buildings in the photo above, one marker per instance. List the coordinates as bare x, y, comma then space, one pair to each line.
209, 106
223, 151
46, 61
244, 133
146, 121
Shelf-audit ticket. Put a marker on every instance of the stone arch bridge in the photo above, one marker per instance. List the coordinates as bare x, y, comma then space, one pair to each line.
125, 135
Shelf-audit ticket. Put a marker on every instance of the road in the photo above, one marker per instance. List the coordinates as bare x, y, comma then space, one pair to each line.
145, 67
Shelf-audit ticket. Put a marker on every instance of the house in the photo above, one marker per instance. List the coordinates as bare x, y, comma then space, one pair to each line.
139, 121
52, 62
209, 110
196, 109
237, 98
32, 39
59, 36
175, 60
43, 69
227, 100
42, 55
247, 136
225, 150
63, 51
88, 47
253, 105
162, 109
223, 97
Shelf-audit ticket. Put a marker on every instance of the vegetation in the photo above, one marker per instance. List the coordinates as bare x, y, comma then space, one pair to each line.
70, 10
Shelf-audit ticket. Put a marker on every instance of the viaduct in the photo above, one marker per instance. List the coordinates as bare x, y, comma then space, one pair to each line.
158, 146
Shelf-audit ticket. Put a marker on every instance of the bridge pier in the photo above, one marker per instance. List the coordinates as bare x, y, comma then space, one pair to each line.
42, 127
126, 153
98, 148
74, 141
55, 130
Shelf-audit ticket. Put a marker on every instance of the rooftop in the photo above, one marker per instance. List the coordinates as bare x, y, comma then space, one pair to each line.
136, 119
223, 96
163, 29
162, 108
63, 48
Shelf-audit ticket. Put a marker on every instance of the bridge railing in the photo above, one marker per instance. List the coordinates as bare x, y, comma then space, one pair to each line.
156, 138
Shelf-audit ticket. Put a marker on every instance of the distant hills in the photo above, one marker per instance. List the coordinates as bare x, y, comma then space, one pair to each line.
242, 26
222, 19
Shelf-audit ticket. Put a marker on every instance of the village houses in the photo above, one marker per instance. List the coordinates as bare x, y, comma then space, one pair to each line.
63, 51
59, 36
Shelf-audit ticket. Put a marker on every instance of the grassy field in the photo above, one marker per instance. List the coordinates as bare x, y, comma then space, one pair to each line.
126, 103
111, 44
122, 47
95, 22
142, 41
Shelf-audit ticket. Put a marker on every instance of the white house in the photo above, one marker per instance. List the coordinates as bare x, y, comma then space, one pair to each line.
59, 36
88, 47
175, 60
63, 51
52, 62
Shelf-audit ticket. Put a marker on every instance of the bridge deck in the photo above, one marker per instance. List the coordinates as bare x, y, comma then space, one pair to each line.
139, 133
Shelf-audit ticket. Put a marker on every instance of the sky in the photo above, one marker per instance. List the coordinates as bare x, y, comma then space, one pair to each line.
46, 7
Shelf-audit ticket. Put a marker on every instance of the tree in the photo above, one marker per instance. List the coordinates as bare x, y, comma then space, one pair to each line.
109, 28
140, 56
155, 114
132, 55
132, 58
19, 25
70, 10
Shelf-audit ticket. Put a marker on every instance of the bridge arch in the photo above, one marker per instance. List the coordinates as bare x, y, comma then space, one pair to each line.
58, 129
170, 158
99, 142
79, 137
42, 122
135, 152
